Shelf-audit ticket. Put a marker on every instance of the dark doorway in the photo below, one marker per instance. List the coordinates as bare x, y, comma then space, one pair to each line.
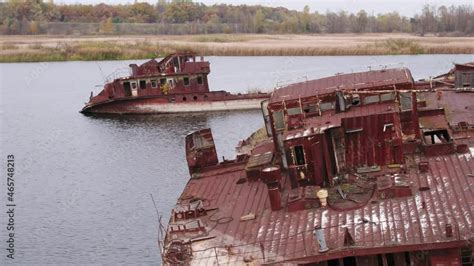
142, 84
349, 261
127, 89
390, 259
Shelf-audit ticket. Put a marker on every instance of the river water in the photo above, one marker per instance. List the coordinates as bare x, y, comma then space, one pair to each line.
83, 184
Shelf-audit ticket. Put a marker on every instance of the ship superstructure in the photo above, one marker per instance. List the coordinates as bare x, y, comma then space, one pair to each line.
176, 84
367, 168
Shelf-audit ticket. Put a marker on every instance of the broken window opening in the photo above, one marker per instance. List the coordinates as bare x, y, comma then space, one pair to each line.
134, 85
278, 120
388, 127
199, 141
326, 106
162, 81
186, 81
293, 111
154, 84
436, 136
355, 99
371, 99
380, 260
390, 259
334, 262
407, 258
311, 108
405, 101
463, 125
349, 261
199, 80
127, 88
387, 97
142, 84
298, 153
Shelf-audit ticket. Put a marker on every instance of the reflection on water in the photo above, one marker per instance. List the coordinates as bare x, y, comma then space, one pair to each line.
228, 127
84, 183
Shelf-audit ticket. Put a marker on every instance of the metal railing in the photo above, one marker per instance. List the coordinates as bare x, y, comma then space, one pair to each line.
229, 254
118, 73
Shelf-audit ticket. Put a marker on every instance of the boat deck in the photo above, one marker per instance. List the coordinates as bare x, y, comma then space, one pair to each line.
396, 164
397, 224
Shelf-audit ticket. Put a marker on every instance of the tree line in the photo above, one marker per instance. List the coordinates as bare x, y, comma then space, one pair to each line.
186, 17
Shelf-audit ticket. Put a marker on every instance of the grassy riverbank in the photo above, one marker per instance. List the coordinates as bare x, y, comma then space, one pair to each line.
65, 48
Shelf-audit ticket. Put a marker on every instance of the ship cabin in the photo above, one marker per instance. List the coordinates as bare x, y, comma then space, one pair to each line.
358, 169
326, 126
357, 122
464, 75
177, 74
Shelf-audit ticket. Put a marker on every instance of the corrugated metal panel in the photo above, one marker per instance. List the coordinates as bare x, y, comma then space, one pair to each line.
351, 81
401, 223
372, 145
441, 196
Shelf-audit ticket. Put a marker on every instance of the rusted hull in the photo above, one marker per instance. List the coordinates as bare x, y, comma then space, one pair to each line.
376, 173
161, 105
176, 84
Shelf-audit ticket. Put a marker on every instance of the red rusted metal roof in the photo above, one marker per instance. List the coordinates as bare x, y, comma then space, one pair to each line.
458, 106
331, 118
353, 81
397, 224
464, 66
423, 199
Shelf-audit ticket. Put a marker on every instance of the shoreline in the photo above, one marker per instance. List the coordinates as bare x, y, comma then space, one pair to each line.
43, 48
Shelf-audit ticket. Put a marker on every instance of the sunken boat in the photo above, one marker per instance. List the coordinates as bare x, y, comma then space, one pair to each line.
176, 84
369, 168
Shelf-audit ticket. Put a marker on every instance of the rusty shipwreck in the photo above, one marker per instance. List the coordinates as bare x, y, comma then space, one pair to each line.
367, 168
176, 84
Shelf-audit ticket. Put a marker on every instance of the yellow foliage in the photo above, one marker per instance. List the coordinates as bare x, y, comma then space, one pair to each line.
165, 88
34, 27
107, 26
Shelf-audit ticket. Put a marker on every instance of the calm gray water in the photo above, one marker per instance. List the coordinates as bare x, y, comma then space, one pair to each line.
83, 184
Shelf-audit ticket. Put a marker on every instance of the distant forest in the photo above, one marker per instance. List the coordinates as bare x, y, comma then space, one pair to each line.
186, 17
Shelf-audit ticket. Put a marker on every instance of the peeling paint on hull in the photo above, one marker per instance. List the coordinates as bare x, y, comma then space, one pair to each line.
176, 84
158, 107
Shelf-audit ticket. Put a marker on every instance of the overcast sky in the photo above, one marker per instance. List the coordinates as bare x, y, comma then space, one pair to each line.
404, 7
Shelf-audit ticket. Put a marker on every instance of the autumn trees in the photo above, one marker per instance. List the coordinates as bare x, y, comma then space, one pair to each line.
186, 17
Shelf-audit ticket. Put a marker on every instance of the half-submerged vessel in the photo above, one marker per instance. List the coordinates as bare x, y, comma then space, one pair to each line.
366, 168
176, 84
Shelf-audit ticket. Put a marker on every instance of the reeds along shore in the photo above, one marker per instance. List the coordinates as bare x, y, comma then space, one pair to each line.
223, 45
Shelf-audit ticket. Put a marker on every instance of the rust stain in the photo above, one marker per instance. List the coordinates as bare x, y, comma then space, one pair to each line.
177, 83
353, 169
